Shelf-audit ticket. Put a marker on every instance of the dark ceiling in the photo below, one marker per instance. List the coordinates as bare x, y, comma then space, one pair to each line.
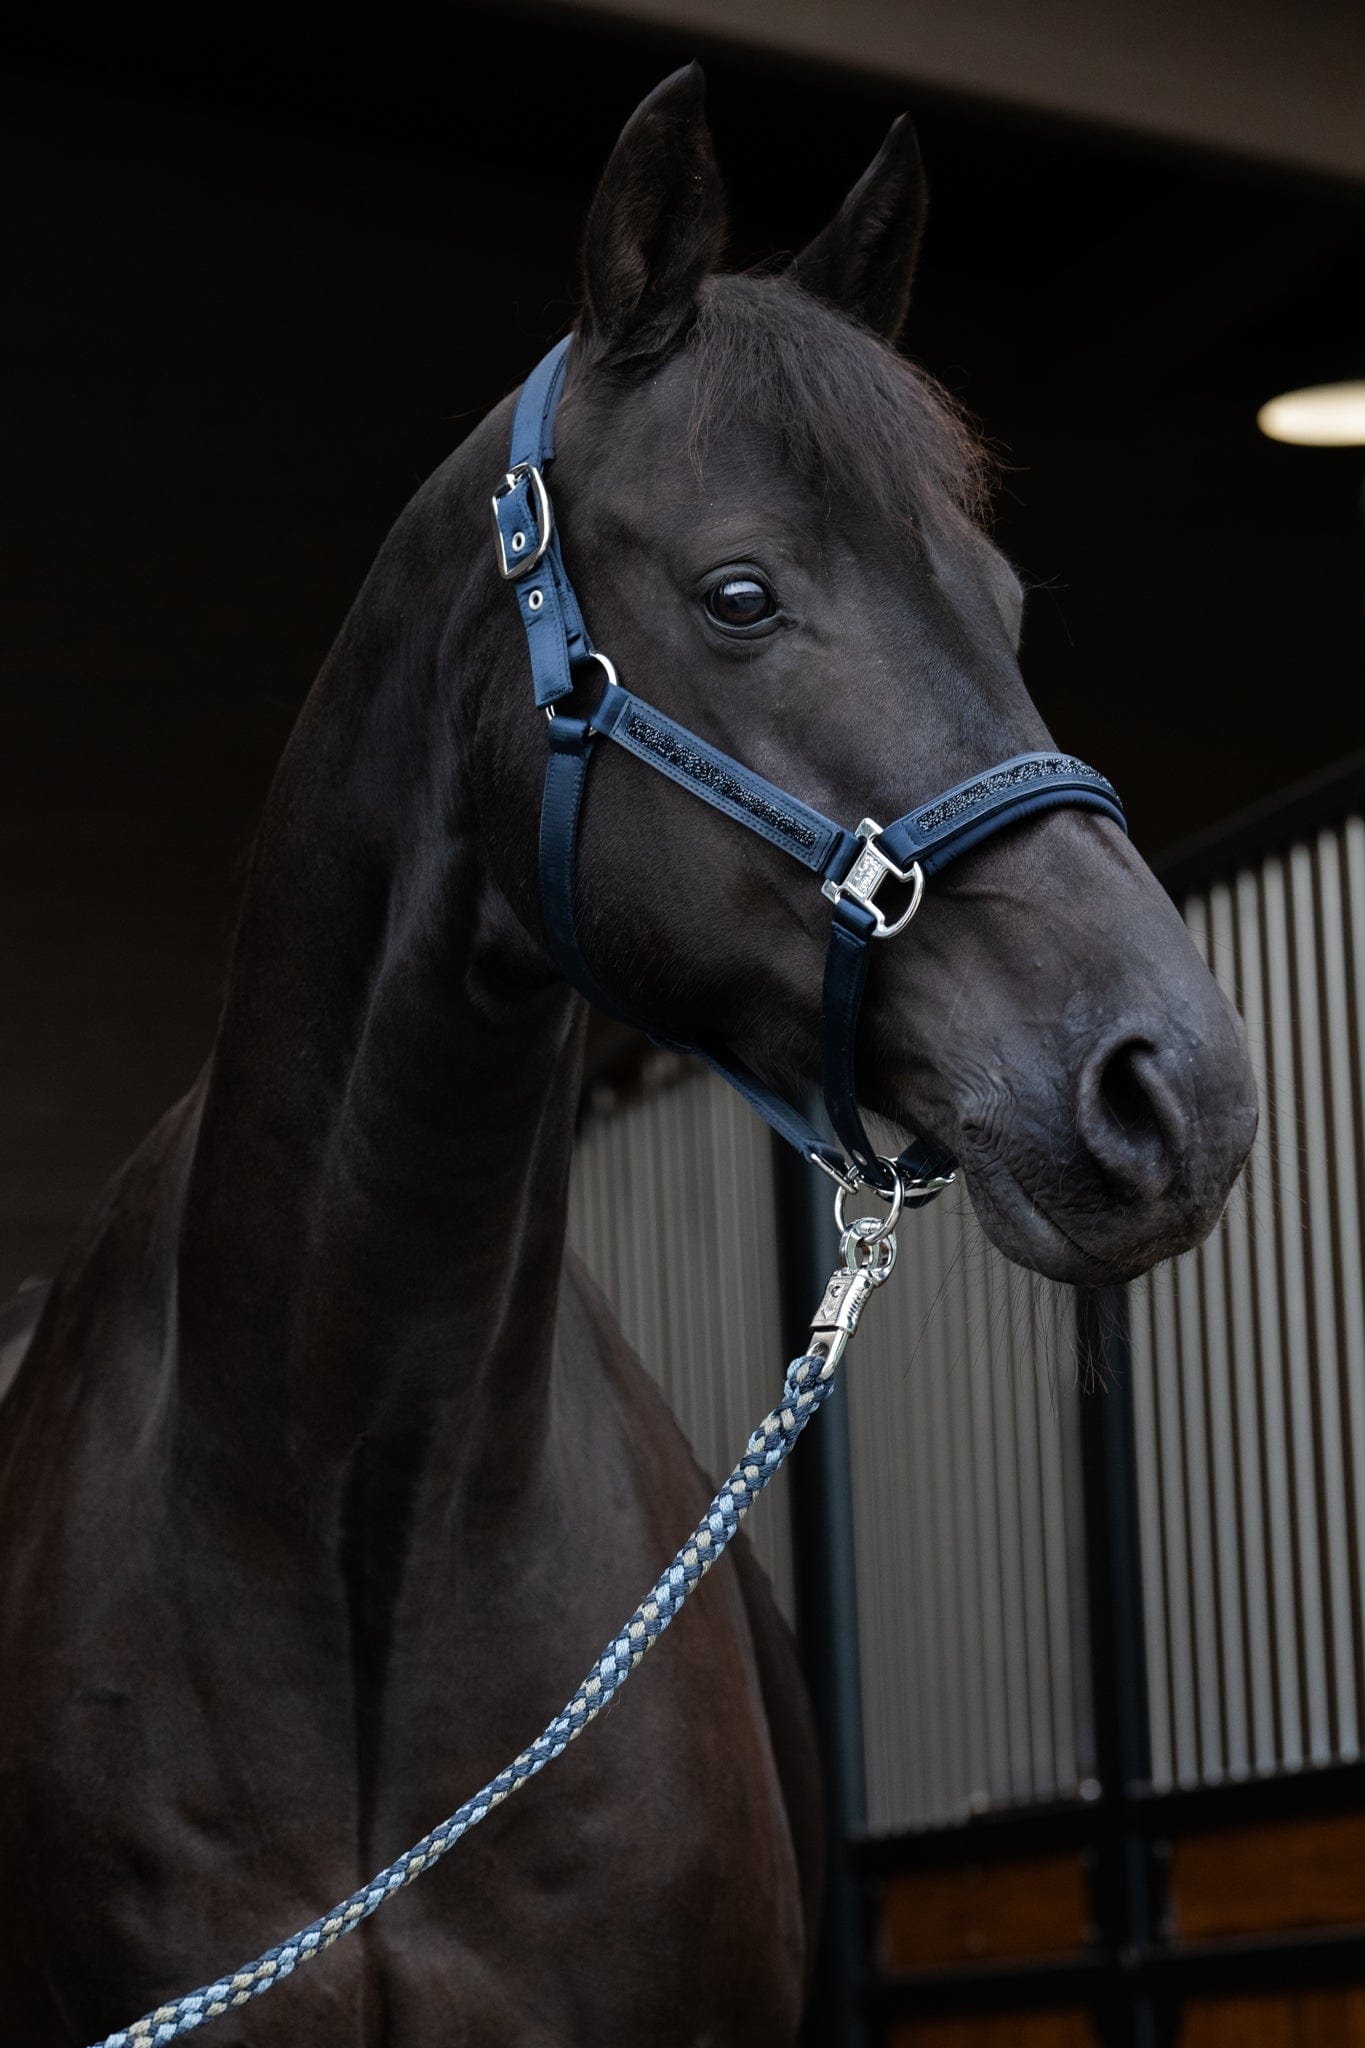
1111, 313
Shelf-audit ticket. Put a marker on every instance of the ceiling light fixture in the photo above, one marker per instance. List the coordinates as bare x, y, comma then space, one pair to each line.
1320, 416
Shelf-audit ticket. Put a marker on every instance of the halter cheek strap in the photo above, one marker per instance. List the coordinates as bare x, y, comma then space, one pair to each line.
852, 866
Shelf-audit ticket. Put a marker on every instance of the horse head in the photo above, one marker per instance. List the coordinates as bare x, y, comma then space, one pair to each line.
773, 522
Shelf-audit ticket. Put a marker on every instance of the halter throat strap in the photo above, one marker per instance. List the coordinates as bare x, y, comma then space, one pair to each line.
852, 866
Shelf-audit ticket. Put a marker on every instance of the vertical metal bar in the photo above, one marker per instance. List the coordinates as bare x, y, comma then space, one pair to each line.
928, 1582
826, 1606
639, 1300
889, 1606
898, 1604
1227, 1546
1147, 1464
1268, 1345
1241, 1340
1288, 1187
932, 1249
1052, 1484
1322, 1260
1042, 1773
990, 1623
1344, 942
952, 1555
1211, 1334
767, 1335
874, 1428
696, 1169
1011, 1568
1171, 1472
1124, 1891
721, 1275
870, 1428
938, 1494
1195, 1474
665, 1222
1073, 1507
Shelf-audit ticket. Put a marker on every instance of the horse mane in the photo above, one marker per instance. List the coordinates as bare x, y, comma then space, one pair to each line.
842, 404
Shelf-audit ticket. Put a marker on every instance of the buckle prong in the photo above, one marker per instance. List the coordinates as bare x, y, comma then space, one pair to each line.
845, 1181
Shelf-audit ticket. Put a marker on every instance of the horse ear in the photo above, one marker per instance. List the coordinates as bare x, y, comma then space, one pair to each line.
863, 263
655, 227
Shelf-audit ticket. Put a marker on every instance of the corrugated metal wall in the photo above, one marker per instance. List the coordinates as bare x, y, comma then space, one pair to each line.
1249, 1360
964, 1442
968, 1518
1248, 1385
672, 1210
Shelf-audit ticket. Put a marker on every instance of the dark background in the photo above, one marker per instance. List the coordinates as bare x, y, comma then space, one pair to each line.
262, 279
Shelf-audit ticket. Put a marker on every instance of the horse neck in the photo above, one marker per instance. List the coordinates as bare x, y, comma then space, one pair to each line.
374, 1218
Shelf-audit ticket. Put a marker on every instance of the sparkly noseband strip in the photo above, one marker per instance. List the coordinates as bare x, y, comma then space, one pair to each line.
696, 767
1011, 779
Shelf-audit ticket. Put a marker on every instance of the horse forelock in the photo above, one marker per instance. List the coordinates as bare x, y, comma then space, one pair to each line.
847, 411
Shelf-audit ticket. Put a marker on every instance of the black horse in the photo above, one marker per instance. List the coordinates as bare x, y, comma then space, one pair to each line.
325, 1474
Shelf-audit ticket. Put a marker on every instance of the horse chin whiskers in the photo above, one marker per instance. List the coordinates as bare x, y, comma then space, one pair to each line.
1096, 1241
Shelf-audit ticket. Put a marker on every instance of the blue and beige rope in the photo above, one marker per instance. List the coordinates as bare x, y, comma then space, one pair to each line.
808, 1382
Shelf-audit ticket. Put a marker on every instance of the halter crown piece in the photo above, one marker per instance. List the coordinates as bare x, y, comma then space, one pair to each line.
852, 866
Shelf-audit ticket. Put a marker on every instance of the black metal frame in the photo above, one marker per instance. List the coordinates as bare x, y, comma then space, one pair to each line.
1133, 1976
827, 1612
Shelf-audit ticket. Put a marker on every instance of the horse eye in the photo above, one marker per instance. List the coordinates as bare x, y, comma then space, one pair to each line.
741, 601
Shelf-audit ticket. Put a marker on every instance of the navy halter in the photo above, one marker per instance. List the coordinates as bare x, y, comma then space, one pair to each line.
852, 865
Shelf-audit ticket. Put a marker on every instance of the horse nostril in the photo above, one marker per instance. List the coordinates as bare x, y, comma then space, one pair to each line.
1130, 1118
1124, 1096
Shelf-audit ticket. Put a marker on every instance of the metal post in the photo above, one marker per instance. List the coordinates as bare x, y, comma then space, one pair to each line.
827, 1607
1125, 1904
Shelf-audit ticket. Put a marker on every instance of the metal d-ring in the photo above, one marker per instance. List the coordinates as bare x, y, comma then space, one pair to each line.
879, 1226
914, 877
608, 669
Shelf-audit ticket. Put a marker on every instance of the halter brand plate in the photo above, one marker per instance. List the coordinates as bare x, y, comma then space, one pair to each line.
852, 865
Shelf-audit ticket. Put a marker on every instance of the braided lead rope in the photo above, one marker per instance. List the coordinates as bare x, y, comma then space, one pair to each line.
808, 1383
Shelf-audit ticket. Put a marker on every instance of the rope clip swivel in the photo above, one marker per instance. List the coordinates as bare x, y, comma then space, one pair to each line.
867, 1255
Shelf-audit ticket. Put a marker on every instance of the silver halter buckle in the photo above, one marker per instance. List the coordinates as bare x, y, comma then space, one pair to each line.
525, 549
865, 877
